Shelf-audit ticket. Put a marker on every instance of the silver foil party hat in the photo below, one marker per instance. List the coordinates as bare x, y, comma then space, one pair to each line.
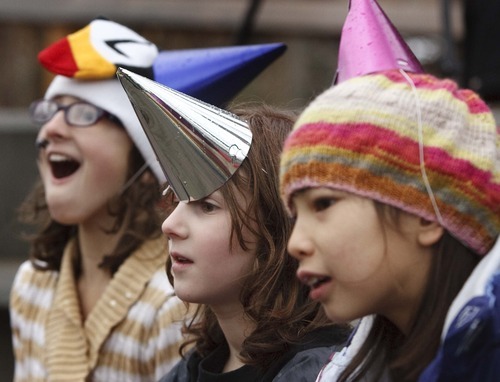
199, 146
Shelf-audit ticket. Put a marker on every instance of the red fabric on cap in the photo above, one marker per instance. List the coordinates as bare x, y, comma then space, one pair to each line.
59, 58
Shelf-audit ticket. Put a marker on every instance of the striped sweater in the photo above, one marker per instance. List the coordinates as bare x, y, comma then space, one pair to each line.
131, 334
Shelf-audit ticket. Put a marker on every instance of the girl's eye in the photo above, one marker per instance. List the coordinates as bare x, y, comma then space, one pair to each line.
321, 204
207, 206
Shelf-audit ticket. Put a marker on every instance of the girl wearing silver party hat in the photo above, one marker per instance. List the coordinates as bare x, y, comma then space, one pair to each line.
227, 241
393, 178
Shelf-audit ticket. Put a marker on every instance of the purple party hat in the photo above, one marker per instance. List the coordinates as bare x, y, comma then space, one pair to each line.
370, 43
214, 75
198, 145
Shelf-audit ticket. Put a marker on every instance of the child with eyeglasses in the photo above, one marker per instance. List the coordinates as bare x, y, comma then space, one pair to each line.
94, 302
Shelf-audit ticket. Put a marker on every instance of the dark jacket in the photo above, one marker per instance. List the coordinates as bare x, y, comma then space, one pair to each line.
301, 363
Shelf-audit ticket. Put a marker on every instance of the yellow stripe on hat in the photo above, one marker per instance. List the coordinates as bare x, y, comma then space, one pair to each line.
91, 65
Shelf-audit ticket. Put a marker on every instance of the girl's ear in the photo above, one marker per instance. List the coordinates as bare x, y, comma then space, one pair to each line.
429, 232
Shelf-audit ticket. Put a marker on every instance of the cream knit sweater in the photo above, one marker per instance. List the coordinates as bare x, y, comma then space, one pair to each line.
132, 333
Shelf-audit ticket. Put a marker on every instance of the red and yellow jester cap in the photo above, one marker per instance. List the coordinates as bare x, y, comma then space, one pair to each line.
96, 51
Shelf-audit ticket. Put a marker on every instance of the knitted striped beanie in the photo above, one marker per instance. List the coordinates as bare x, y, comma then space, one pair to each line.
362, 136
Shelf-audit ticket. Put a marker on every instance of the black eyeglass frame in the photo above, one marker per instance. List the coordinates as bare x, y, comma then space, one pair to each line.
100, 113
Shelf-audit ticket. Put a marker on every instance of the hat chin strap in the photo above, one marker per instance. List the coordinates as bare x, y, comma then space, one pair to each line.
421, 148
134, 177
42, 143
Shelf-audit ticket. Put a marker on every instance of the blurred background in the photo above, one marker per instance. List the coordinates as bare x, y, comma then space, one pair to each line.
453, 38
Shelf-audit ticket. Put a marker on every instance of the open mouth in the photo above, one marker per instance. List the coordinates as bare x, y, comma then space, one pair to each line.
62, 165
180, 259
316, 281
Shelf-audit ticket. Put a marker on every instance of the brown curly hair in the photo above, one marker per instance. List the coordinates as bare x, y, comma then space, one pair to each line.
271, 295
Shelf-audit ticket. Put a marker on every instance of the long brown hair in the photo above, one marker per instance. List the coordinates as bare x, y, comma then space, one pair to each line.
271, 295
405, 357
135, 210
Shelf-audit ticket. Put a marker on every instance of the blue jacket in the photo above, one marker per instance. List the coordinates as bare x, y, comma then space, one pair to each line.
470, 350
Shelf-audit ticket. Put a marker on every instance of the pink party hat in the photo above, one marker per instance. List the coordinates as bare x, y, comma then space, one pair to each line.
370, 43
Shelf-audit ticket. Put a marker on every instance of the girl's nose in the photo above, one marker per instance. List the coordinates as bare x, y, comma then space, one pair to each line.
299, 244
54, 129
174, 226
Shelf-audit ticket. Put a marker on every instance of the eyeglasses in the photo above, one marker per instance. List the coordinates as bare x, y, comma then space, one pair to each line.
79, 114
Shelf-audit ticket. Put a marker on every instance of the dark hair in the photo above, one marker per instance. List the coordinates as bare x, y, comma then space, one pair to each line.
135, 210
386, 346
271, 295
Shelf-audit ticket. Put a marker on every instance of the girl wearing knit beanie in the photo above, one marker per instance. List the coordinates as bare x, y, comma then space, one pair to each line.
393, 180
